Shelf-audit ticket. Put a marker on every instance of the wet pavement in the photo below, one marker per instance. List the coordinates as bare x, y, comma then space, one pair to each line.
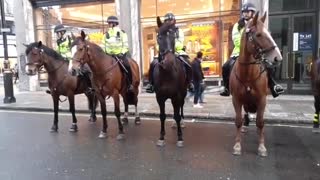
29, 151
284, 109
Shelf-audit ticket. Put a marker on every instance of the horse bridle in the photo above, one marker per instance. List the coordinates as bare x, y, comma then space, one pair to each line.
37, 64
171, 50
259, 51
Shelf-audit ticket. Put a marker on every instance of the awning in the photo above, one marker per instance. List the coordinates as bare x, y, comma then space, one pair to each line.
44, 3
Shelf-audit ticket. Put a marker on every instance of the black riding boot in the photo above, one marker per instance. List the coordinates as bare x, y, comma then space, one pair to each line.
150, 88
276, 89
129, 73
226, 69
188, 69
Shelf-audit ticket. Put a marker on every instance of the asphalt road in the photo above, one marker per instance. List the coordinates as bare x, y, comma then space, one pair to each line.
28, 151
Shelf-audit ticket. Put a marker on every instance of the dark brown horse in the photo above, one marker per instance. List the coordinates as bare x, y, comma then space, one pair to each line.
315, 84
169, 80
108, 80
248, 79
60, 82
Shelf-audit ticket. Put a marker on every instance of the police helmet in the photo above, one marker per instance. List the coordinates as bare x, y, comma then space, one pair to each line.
60, 28
169, 16
113, 19
248, 7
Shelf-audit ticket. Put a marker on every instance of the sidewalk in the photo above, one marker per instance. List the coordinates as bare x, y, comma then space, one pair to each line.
284, 109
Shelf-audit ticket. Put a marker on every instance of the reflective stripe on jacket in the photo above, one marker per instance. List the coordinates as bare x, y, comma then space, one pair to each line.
115, 41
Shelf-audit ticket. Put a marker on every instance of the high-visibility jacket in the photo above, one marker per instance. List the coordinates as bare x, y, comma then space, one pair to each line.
178, 42
115, 41
63, 47
236, 38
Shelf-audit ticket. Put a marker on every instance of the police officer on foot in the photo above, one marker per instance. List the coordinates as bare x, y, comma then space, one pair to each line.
248, 11
115, 43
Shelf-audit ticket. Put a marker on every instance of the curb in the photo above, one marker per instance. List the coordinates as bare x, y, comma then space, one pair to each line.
199, 117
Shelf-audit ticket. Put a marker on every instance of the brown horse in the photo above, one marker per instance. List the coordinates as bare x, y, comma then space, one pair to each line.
59, 80
169, 80
315, 84
248, 79
108, 80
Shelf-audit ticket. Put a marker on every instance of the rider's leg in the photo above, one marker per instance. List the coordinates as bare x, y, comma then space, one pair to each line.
226, 70
86, 75
129, 72
150, 88
188, 68
276, 89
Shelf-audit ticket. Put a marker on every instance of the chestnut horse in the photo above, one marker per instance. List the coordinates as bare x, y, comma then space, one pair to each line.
59, 80
248, 78
315, 84
169, 80
108, 80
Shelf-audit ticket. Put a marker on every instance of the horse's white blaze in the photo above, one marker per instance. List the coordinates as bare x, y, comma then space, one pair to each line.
73, 52
275, 54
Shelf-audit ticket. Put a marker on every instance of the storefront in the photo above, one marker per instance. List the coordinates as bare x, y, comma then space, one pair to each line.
206, 25
295, 27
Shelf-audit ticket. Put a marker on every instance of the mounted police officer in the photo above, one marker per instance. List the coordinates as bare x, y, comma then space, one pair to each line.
248, 11
179, 50
115, 43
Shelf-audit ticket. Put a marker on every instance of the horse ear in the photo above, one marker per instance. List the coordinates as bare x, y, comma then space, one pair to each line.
159, 22
83, 35
263, 19
39, 44
255, 18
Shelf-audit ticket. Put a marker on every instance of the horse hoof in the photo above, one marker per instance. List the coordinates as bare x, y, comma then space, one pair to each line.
237, 149
262, 151
73, 128
125, 121
102, 135
161, 143
91, 119
120, 137
54, 129
180, 144
244, 129
137, 121
316, 130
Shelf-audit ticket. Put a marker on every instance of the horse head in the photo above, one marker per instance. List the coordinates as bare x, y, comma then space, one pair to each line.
166, 41
80, 53
35, 58
259, 42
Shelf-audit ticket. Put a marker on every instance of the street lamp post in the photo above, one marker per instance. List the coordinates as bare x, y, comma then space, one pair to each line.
7, 74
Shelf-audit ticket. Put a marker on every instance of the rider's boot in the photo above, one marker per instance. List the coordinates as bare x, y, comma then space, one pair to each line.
276, 89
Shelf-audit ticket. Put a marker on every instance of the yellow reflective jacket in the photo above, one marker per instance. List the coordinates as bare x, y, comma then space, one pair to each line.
178, 43
63, 47
115, 41
236, 38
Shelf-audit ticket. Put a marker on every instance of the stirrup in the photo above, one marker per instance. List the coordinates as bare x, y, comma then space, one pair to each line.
130, 87
150, 88
278, 89
48, 91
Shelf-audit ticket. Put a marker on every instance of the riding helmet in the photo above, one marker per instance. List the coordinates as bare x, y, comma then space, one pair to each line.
113, 19
169, 16
248, 7
59, 28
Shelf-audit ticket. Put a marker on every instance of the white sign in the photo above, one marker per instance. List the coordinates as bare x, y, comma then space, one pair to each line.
295, 41
5, 30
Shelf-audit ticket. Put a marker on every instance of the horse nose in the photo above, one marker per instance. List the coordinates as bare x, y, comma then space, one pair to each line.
30, 71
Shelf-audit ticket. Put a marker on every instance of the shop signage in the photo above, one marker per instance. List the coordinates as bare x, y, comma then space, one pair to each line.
305, 42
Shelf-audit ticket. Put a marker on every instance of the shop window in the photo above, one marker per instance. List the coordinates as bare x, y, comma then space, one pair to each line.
291, 5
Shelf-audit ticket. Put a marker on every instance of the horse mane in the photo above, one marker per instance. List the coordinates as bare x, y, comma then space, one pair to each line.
50, 52
77, 40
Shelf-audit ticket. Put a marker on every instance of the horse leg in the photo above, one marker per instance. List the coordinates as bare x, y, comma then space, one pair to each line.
126, 107
137, 120
116, 100
92, 106
103, 133
316, 114
238, 122
182, 124
246, 122
74, 127
161, 103
177, 117
54, 127
262, 151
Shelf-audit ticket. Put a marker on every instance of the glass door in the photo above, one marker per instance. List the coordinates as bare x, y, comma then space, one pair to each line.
295, 35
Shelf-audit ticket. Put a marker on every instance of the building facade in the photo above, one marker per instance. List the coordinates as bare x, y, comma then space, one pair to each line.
206, 25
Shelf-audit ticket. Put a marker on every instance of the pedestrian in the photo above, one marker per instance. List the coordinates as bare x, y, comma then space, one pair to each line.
16, 73
197, 79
